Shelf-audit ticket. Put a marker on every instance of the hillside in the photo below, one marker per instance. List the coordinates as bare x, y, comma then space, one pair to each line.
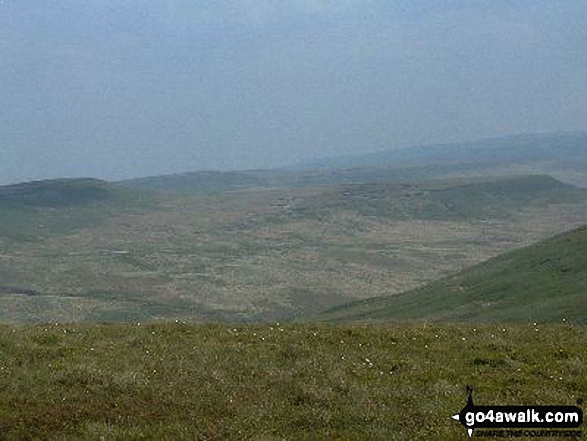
213, 182
203, 182
543, 282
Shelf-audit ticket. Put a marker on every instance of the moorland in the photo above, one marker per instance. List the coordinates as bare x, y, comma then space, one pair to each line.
343, 298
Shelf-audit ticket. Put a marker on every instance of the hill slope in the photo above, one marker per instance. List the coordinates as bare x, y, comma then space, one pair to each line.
544, 282
212, 182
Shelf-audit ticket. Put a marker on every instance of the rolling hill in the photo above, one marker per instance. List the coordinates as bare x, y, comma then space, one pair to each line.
32, 211
441, 200
214, 182
56, 193
546, 281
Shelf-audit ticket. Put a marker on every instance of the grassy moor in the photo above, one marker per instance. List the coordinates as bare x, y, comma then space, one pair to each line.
299, 303
88, 250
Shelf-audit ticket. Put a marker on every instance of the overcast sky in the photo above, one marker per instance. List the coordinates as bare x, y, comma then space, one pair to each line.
124, 88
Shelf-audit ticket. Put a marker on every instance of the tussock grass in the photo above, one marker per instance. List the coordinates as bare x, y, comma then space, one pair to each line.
183, 381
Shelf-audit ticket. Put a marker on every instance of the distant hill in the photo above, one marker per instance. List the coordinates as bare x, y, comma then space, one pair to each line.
441, 200
56, 193
203, 181
90, 250
564, 148
30, 211
554, 154
210, 182
546, 281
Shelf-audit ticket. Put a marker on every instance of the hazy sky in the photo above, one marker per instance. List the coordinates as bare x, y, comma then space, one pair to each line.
124, 88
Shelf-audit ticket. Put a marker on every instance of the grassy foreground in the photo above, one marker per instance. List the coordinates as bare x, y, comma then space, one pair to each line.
180, 381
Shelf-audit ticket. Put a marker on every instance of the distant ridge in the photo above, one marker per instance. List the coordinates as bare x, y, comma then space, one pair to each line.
202, 181
546, 281
522, 148
551, 153
489, 197
56, 192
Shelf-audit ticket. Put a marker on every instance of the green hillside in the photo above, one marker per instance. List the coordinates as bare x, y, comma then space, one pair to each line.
542, 282
212, 182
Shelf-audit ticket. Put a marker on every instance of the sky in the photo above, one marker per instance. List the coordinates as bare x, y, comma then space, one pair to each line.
116, 89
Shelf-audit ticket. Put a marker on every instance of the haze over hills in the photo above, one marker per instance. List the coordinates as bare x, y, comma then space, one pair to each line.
563, 155
543, 282
564, 147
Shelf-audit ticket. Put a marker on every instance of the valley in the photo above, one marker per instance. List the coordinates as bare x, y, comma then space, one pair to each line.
262, 254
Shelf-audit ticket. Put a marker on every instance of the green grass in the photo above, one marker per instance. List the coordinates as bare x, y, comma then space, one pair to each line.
545, 282
180, 381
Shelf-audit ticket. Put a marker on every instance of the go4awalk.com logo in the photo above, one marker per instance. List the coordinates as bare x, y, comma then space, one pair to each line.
519, 421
